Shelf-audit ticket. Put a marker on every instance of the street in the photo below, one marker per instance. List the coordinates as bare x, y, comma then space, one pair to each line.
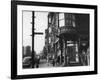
44, 64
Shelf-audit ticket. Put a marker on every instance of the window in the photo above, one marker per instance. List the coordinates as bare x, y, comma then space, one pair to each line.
49, 40
49, 29
61, 16
61, 19
69, 19
57, 20
49, 19
61, 23
73, 23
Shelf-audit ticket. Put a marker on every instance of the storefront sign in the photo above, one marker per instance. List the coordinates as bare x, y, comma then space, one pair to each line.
65, 29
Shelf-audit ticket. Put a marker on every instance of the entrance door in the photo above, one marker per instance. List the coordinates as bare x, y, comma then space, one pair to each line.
71, 53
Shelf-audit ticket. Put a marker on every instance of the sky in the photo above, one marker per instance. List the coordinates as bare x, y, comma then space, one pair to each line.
40, 26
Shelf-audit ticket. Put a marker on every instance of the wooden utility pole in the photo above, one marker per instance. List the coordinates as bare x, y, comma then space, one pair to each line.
33, 54
33, 34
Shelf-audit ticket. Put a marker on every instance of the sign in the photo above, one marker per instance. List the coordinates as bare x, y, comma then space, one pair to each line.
67, 29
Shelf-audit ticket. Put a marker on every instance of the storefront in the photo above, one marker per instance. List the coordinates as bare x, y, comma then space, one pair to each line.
68, 38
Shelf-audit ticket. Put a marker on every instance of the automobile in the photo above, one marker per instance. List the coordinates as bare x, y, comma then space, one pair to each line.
27, 62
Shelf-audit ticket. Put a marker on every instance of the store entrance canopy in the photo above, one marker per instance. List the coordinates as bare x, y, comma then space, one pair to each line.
68, 33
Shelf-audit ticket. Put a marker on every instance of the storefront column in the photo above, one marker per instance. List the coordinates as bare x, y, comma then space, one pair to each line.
65, 51
77, 55
66, 54
61, 49
55, 51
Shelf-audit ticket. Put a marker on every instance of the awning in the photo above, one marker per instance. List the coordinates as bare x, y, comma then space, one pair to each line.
68, 33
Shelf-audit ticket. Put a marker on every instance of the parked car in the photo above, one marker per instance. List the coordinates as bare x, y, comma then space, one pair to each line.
27, 62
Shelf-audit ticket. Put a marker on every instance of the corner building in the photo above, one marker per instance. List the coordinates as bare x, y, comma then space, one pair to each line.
67, 31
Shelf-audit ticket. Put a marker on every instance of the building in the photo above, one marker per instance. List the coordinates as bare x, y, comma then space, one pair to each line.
53, 26
46, 47
65, 35
82, 26
68, 38
61, 31
28, 51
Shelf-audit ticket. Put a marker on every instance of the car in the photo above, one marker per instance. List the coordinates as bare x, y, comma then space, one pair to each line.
27, 62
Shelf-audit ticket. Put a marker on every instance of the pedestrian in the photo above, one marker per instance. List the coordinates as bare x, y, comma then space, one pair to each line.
37, 61
84, 57
53, 62
58, 60
88, 56
48, 60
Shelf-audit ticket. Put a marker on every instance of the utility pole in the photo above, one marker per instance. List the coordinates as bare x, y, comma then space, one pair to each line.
33, 52
33, 34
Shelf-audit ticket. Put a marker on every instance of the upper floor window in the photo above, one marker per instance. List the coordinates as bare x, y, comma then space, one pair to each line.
69, 19
61, 20
49, 19
50, 30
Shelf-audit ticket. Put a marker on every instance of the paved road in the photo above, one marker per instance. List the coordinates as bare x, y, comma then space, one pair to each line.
44, 64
